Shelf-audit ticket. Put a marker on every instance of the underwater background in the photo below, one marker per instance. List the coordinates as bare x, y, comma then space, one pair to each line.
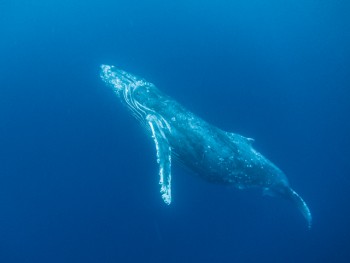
78, 175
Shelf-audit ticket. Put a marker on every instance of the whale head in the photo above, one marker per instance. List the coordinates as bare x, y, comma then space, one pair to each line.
120, 80
139, 95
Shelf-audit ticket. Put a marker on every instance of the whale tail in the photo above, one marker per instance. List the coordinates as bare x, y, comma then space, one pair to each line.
288, 193
301, 205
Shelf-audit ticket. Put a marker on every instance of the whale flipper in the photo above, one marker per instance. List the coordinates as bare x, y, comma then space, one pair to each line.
157, 125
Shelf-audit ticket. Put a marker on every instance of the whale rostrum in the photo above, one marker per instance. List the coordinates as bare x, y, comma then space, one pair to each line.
215, 155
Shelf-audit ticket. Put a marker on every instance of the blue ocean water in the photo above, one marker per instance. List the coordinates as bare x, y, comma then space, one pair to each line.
78, 176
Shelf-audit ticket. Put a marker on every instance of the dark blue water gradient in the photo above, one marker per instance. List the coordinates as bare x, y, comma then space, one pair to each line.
78, 177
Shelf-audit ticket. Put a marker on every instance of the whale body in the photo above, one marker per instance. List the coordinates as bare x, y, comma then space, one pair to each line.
215, 155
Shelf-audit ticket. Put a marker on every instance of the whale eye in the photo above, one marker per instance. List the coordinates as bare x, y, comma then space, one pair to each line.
148, 96
140, 92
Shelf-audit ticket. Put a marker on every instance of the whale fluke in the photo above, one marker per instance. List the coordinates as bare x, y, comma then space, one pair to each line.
301, 205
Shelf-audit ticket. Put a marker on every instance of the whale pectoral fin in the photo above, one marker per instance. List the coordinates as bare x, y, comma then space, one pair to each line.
163, 155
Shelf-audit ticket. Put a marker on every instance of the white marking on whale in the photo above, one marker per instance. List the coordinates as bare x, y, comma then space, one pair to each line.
216, 155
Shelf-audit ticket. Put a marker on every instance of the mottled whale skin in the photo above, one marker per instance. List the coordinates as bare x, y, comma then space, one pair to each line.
215, 155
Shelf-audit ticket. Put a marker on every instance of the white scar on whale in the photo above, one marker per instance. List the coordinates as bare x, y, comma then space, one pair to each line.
215, 155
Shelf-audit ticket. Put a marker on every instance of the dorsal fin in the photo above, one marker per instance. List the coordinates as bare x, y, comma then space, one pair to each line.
235, 136
250, 140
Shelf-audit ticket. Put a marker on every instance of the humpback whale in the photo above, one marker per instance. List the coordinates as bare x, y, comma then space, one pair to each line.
215, 155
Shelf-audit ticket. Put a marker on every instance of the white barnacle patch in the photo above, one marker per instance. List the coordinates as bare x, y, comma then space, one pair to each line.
111, 77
